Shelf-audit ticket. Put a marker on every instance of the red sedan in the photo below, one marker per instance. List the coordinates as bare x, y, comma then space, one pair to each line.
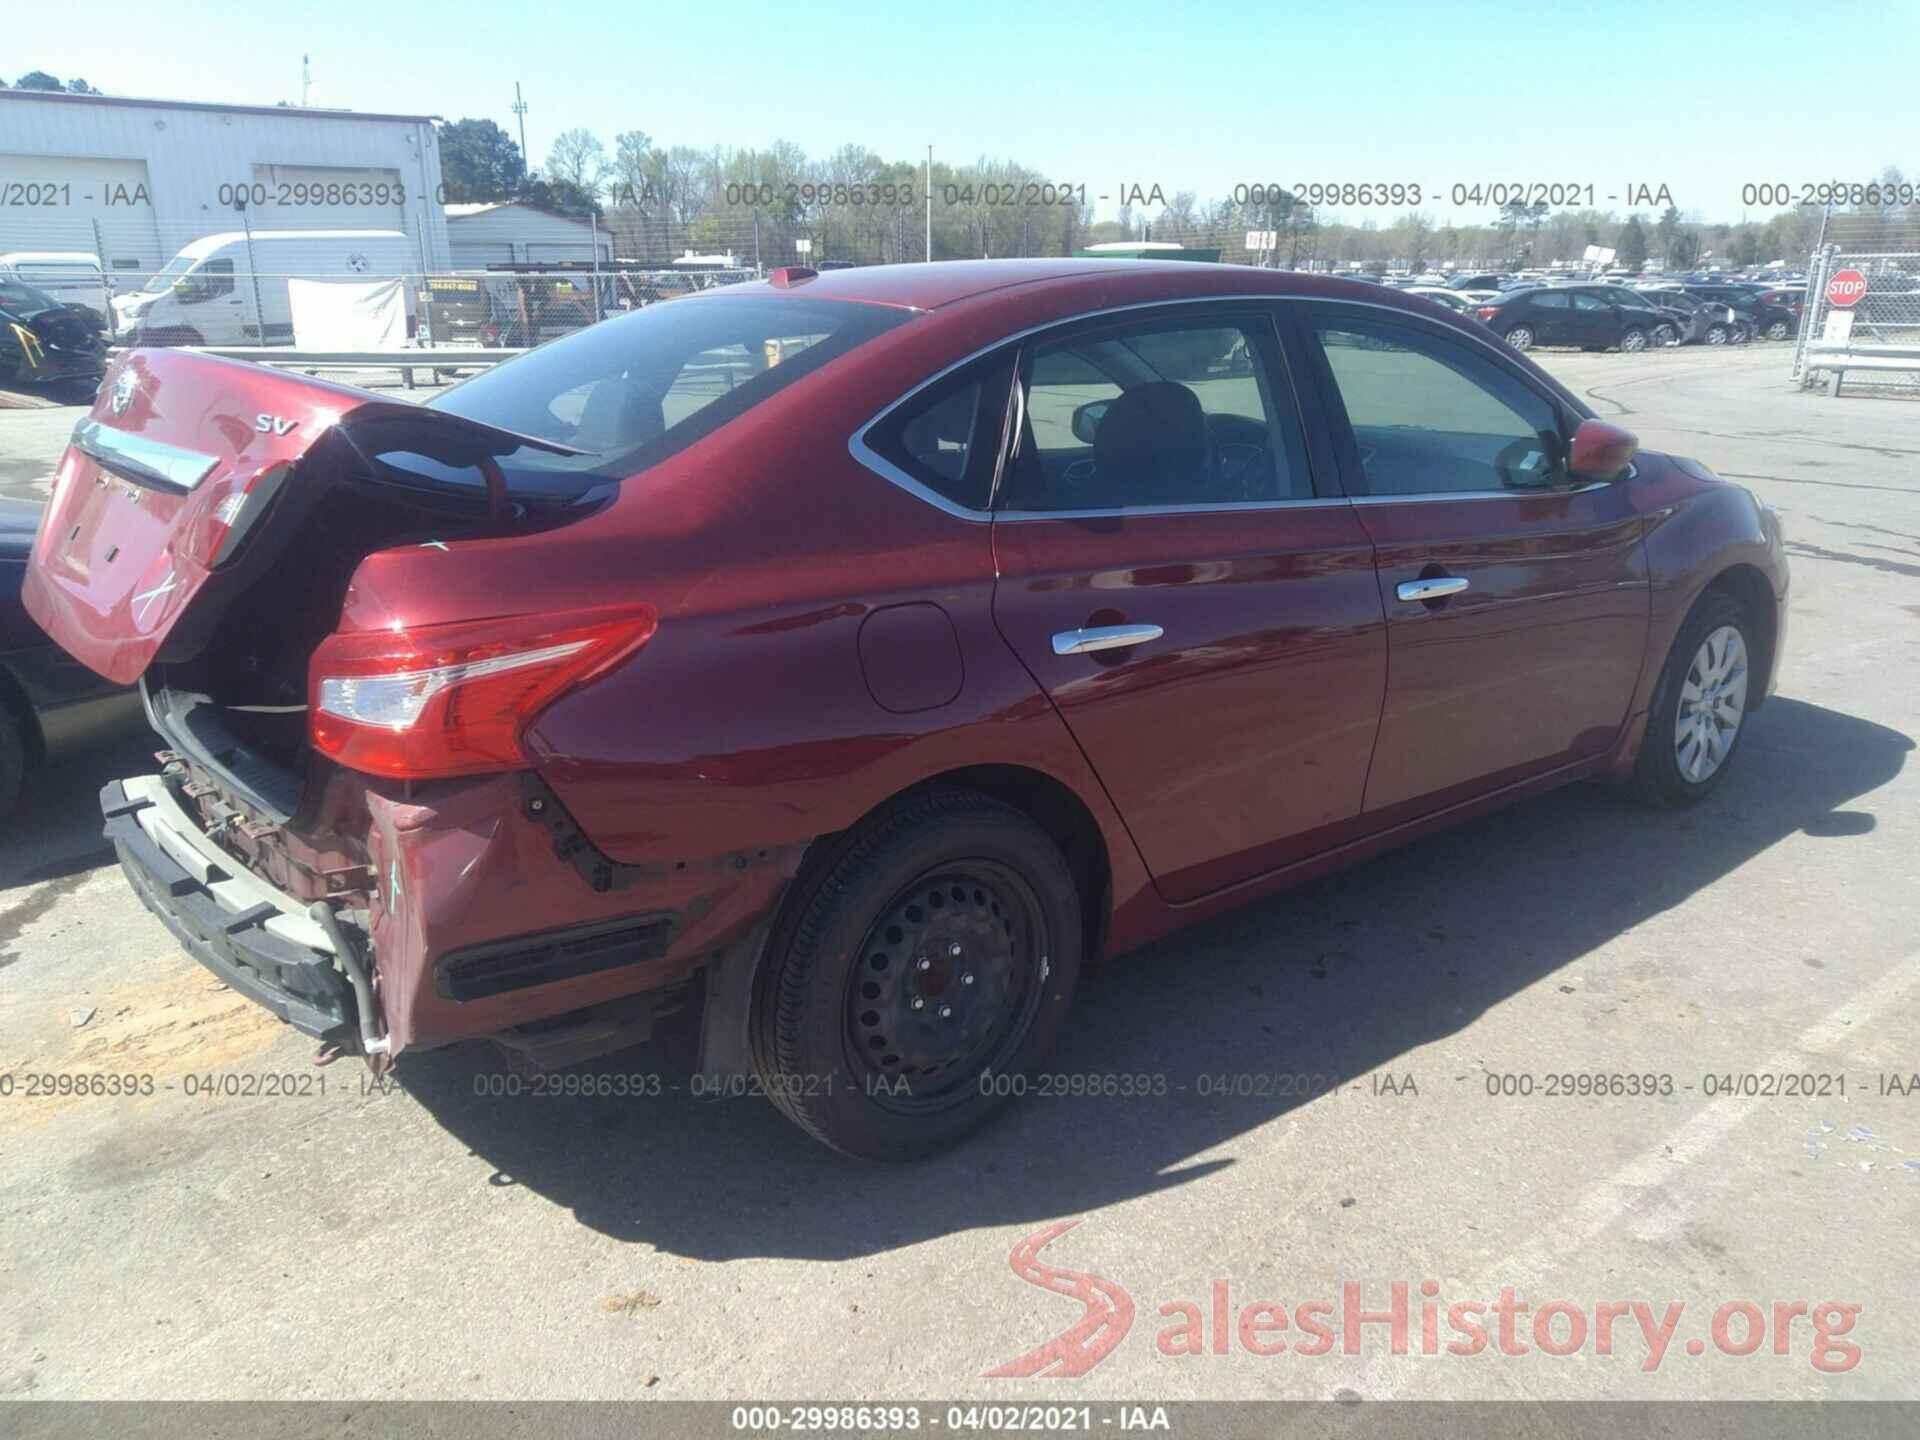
856, 655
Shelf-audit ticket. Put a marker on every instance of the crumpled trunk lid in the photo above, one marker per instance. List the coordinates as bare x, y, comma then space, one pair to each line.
181, 459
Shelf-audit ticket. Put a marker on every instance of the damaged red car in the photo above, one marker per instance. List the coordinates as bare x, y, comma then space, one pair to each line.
855, 656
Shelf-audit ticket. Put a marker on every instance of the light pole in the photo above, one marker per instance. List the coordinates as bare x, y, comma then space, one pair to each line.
520, 108
929, 202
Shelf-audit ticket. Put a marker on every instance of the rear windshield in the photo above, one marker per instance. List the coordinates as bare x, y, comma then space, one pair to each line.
634, 390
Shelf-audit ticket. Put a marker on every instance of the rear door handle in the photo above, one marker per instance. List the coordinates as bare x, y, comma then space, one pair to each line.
1436, 588
1104, 637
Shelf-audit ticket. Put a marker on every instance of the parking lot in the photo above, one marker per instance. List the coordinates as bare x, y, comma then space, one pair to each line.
1345, 1086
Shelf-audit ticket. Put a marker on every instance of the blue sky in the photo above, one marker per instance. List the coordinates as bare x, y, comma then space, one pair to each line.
1186, 94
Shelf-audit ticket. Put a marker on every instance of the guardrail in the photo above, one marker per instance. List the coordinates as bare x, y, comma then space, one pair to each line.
1836, 358
406, 361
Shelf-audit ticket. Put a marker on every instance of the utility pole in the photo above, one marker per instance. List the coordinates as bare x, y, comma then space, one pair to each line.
520, 108
929, 202
306, 80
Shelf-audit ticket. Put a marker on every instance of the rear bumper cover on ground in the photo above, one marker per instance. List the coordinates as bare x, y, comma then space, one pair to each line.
253, 937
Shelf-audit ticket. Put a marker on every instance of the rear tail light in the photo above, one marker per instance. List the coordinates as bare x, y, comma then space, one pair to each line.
489, 334
443, 700
1487, 312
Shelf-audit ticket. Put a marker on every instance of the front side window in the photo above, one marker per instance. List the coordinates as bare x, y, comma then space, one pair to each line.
210, 281
1583, 301
1158, 414
1429, 416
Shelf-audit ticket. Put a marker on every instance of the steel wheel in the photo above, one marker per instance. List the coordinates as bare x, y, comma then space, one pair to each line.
1520, 337
1633, 341
1713, 702
949, 982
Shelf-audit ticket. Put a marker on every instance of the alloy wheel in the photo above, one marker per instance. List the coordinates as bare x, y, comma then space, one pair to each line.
1520, 337
1633, 341
1713, 702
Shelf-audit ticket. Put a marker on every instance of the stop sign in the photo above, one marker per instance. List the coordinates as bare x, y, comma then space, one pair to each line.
1845, 288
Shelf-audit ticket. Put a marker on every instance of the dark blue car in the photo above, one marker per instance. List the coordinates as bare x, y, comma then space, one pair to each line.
49, 702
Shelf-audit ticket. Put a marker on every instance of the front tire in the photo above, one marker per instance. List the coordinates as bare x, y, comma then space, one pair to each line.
1633, 342
13, 761
1700, 705
1716, 335
1779, 330
1666, 335
928, 967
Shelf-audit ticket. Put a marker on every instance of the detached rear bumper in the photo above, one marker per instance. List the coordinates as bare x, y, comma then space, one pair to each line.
257, 939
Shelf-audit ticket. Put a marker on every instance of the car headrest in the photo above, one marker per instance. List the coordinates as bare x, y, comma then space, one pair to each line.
1149, 432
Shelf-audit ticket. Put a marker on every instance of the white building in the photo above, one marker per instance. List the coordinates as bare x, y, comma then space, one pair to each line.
511, 233
134, 181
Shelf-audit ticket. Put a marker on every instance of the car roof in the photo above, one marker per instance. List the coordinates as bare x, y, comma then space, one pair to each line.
922, 286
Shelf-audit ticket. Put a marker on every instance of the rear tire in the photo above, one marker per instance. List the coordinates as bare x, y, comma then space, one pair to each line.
1666, 335
13, 761
1700, 705
1716, 335
929, 966
1779, 330
1520, 337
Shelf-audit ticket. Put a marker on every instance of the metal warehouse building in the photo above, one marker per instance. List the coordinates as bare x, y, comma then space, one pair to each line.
509, 232
133, 181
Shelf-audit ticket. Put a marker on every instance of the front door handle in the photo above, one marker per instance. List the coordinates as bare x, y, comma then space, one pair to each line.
1436, 588
1104, 637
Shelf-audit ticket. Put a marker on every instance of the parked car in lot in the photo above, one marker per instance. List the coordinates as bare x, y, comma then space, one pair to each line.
1477, 280
1765, 320
50, 704
856, 656
44, 343
71, 277
1580, 315
1454, 300
1707, 322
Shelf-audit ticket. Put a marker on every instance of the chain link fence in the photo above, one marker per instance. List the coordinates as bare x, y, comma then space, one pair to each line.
1883, 249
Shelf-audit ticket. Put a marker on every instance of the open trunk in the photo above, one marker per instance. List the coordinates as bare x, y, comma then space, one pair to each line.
209, 517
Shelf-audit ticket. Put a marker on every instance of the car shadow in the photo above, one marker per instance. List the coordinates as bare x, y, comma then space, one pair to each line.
1337, 979
55, 831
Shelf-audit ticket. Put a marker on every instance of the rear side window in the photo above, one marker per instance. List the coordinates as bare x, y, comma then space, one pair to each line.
948, 438
1550, 300
634, 390
1161, 414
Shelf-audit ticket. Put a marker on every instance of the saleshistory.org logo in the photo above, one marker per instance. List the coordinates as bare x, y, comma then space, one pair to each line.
1507, 1326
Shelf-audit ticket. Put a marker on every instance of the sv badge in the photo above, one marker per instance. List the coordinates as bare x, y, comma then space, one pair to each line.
273, 424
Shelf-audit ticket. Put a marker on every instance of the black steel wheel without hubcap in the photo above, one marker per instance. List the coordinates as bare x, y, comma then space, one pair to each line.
947, 985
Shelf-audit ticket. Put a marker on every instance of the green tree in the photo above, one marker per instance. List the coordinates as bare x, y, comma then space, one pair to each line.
80, 87
37, 80
479, 162
578, 161
1632, 244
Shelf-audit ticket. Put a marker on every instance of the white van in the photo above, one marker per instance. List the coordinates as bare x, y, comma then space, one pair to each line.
231, 289
73, 277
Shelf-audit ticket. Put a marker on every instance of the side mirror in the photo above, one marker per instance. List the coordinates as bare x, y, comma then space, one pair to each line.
1087, 418
1601, 451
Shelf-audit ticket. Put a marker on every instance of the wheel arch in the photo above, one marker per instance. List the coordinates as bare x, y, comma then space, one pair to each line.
1747, 584
733, 981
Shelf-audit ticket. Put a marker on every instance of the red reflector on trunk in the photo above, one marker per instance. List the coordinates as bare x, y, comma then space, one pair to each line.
447, 700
